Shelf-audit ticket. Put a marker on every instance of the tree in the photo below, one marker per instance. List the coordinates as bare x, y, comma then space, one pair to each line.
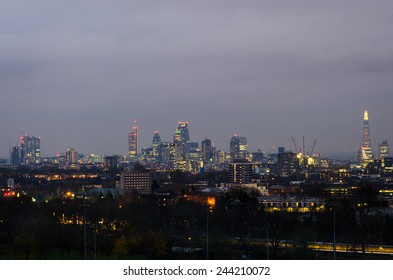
120, 247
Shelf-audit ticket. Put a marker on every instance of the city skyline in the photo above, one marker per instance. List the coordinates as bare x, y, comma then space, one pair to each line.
133, 138
266, 71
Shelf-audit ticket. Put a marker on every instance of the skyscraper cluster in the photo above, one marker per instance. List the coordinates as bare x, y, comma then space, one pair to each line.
27, 151
183, 154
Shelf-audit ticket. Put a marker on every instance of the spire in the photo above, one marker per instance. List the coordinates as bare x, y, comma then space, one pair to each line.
365, 152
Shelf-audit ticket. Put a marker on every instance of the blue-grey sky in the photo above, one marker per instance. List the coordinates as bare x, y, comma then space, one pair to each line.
77, 73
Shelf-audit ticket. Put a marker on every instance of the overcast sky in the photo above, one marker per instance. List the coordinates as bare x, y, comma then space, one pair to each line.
77, 73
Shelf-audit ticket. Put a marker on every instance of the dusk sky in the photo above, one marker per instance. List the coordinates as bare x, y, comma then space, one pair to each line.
77, 73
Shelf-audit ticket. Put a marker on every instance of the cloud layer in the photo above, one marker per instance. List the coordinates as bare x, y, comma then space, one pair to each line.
77, 73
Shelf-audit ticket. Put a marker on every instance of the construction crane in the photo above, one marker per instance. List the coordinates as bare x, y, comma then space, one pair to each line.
303, 149
294, 143
313, 147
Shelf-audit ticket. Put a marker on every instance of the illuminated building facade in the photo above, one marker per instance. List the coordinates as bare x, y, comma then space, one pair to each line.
111, 163
238, 147
240, 172
208, 152
184, 133
71, 156
155, 144
365, 151
383, 149
181, 139
288, 163
139, 181
133, 142
166, 153
221, 157
30, 150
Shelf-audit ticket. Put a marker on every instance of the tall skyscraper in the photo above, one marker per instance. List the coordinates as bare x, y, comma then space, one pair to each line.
156, 140
383, 149
30, 150
155, 144
14, 156
207, 152
166, 153
238, 147
71, 156
185, 135
365, 151
183, 138
133, 142
178, 149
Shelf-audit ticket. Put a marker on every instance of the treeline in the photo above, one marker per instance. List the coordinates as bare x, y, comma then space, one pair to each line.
160, 227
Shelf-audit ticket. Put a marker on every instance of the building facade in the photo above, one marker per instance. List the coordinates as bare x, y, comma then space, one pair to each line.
383, 149
288, 163
139, 181
365, 152
238, 147
240, 172
133, 142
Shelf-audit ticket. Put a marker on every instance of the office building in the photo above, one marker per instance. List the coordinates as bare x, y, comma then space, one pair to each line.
166, 153
71, 156
240, 172
238, 147
208, 152
30, 150
111, 163
383, 149
133, 142
15, 156
155, 143
288, 163
139, 181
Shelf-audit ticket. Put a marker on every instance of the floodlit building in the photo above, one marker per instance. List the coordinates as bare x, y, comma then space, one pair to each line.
365, 152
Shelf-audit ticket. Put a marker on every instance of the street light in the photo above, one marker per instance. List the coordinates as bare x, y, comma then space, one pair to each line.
211, 202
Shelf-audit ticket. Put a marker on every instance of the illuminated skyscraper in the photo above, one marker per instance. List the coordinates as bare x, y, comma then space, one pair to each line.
207, 152
383, 149
30, 150
156, 140
238, 147
133, 142
179, 148
166, 153
185, 135
365, 151
155, 143
71, 156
